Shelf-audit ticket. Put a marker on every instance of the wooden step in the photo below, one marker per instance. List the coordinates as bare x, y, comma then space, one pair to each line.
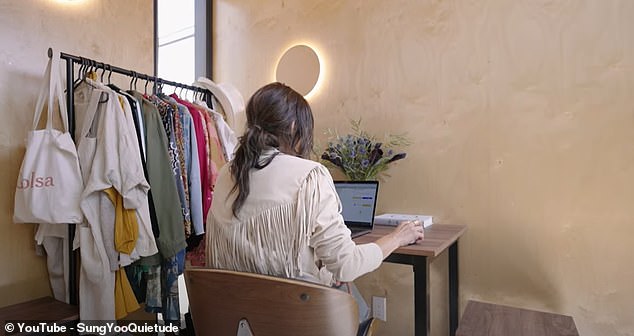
44, 309
487, 319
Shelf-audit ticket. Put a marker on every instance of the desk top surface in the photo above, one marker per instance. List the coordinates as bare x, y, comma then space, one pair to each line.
438, 237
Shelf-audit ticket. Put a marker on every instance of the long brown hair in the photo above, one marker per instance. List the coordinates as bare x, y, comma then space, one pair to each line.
279, 117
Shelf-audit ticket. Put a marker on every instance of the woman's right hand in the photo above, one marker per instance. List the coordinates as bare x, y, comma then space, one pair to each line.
406, 233
409, 232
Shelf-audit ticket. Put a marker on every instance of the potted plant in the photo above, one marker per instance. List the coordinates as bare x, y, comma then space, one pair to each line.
361, 156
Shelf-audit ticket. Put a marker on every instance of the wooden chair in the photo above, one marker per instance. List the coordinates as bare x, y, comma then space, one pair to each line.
235, 303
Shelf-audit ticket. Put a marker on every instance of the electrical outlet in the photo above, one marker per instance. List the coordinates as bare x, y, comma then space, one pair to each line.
379, 308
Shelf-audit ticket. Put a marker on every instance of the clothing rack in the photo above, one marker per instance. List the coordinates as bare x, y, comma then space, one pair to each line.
70, 75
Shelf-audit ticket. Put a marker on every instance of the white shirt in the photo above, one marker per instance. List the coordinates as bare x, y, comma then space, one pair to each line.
289, 226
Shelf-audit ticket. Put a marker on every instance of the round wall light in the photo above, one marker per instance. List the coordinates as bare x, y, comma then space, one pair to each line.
299, 68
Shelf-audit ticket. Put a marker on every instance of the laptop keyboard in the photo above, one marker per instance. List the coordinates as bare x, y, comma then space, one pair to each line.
356, 232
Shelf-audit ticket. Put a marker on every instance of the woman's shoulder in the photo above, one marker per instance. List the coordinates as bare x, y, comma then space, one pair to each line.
296, 165
285, 172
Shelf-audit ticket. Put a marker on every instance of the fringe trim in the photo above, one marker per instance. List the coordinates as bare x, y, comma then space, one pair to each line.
271, 242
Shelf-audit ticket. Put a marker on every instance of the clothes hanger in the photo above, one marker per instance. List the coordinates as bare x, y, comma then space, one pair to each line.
80, 73
110, 85
103, 71
104, 95
159, 86
132, 80
83, 72
86, 68
90, 68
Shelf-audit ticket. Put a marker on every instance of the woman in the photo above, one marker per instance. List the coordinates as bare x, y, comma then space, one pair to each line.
275, 212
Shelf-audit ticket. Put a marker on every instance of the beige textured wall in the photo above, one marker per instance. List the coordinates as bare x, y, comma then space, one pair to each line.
521, 116
116, 32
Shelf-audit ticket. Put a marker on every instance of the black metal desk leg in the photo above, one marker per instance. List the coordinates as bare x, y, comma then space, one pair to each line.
453, 288
421, 296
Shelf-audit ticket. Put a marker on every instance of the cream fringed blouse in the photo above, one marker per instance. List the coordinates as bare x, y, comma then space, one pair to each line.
289, 226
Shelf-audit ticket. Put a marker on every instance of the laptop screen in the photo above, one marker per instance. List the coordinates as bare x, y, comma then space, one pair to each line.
358, 201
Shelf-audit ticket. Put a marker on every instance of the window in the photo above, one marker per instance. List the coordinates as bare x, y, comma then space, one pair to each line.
183, 39
176, 37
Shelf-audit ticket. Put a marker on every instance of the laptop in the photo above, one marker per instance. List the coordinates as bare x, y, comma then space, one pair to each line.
358, 201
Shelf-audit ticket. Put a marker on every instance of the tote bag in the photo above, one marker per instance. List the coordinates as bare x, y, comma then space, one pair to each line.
49, 185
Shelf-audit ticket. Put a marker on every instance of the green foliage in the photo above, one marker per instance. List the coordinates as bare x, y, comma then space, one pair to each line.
360, 155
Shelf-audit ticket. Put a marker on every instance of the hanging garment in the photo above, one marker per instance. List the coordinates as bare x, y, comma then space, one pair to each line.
226, 135
138, 120
216, 157
183, 135
200, 139
192, 166
137, 277
161, 177
179, 137
197, 254
207, 192
96, 280
171, 269
108, 158
126, 228
136, 117
168, 210
54, 240
139, 127
125, 301
229, 139
107, 224
206, 186
126, 231
154, 300
167, 113
145, 243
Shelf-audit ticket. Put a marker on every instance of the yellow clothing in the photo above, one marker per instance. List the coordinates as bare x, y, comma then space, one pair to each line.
126, 231
126, 227
124, 300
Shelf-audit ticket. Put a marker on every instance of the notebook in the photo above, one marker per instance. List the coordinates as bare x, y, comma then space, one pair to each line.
358, 201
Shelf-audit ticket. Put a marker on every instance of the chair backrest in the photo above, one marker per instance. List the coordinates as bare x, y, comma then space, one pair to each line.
220, 299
